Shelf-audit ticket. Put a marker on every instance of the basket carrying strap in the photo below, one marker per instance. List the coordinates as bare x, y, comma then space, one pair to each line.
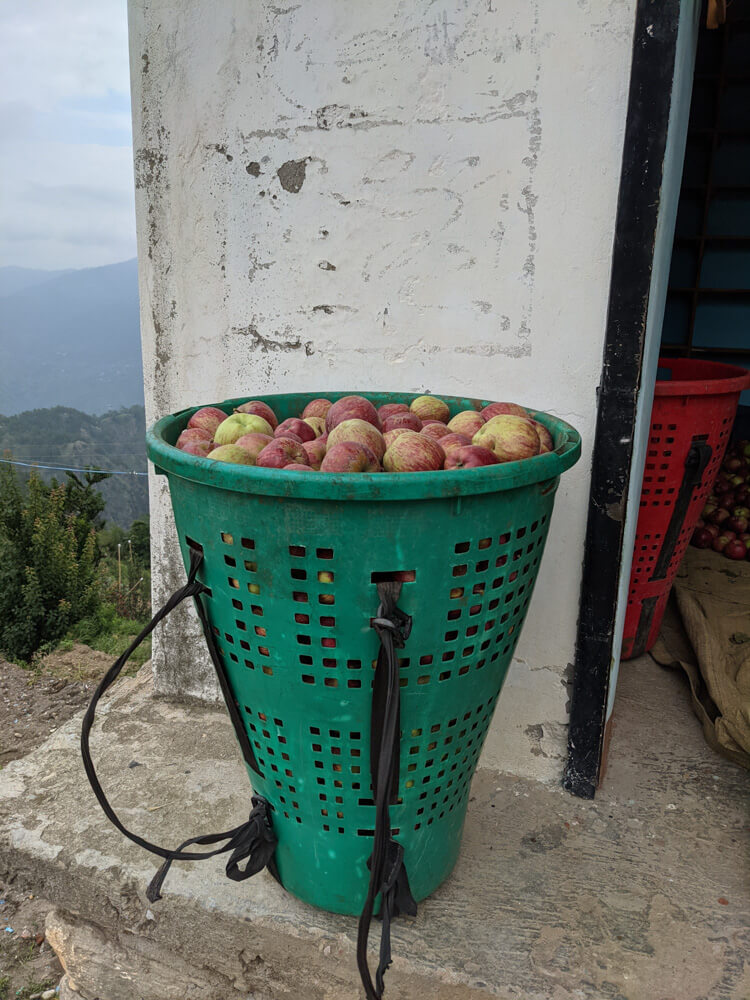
387, 870
254, 840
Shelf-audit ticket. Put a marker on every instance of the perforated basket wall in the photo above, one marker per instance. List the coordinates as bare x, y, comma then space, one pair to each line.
697, 403
293, 589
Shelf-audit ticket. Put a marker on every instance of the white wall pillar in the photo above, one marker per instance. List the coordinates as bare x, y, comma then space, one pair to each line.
398, 196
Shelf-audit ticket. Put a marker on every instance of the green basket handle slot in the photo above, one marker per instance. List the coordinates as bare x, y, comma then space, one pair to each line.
254, 840
388, 876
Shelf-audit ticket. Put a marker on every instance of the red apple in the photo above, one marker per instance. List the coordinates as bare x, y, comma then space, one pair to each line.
281, 452
207, 418
713, 529
453, 440
352, 408
260, 409
412, 452
254, 443
501, 409
510, 437
297, 467
466, 422
390, 436
719, 515
387, 409
436, 430
471, 456
702, 538
735, 549
410, 421
349, 456
546, 441
317, 408
732, 464
737, 524
199, 447
293, 425
360, 431
315, 451
231, 453
720, 543
318, 424
193, 434
430, 408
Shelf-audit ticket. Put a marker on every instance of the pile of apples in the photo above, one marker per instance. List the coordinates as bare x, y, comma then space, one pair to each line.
351, 435
724, 521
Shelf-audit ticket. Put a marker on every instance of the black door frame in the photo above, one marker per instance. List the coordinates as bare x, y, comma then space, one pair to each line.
649, 104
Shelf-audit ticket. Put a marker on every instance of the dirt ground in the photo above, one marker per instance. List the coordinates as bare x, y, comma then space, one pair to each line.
33, 703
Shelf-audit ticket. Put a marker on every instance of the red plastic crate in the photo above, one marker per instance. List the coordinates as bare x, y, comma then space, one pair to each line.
695, 403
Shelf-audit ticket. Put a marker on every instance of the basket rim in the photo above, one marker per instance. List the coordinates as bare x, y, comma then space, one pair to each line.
719, 379
168, 460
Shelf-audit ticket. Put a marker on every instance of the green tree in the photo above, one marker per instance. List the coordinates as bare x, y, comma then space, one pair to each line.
140, 539
48, 561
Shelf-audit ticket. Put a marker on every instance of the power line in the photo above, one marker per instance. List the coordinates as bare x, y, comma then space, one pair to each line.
65, 468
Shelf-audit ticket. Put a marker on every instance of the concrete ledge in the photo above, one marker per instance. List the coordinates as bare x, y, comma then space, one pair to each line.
553, 898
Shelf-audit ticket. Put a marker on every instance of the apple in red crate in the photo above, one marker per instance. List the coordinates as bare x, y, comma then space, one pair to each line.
207, 419
471, 456
352, 408
361, 432
231, 453
254, 443
296, 426
430, 408
413, 452
315, 451
500, 409
260, 409
702, 538
410, 421
349, 456
387, 409
466, 422
510, 437
317, 408
282, 452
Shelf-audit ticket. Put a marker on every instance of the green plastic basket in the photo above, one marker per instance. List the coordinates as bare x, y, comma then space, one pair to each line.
292, 561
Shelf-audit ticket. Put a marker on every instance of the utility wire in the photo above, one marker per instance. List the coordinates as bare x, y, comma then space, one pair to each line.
66, 468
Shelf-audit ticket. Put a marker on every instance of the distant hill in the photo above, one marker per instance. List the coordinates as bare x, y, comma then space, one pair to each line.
70, 338
63, 436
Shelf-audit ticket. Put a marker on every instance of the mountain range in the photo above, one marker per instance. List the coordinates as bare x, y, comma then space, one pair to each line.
70, 338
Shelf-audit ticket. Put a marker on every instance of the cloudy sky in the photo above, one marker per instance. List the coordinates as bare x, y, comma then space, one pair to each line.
66, 175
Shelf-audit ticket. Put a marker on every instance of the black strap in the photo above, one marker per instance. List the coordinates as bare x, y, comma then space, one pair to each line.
253, 840
387, 870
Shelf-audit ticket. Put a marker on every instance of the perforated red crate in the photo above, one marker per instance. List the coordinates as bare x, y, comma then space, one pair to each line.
695, 403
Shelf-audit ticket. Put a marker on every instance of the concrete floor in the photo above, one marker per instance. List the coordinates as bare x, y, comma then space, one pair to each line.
640, 895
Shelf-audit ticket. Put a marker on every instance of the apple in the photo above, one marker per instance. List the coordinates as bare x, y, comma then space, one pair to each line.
410, 421
197, 446
350, 456
390, 436
191, 434
720, 543
317, 408
510, 437
713, 529
719, 515
281, 452
737, 524
745, 447
254, 443
207, 418
352, 408
732, 464
453, 440
315, 451
466, 422
430, 408
299, 428
702, 538
435, 429
360, 431
318, 424
412, 452
471, 456
546, 442
708, 510
387, 409
231, 453
500, 409
741, 512
238, 424
737, 480
735, 549
297, 467
258, 408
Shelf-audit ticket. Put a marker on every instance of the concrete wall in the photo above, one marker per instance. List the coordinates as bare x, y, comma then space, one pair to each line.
394, 195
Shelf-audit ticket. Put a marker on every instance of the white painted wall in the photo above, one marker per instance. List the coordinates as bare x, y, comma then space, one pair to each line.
394, 195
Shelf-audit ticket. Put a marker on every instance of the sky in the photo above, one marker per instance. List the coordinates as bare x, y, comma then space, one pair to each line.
66, 164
